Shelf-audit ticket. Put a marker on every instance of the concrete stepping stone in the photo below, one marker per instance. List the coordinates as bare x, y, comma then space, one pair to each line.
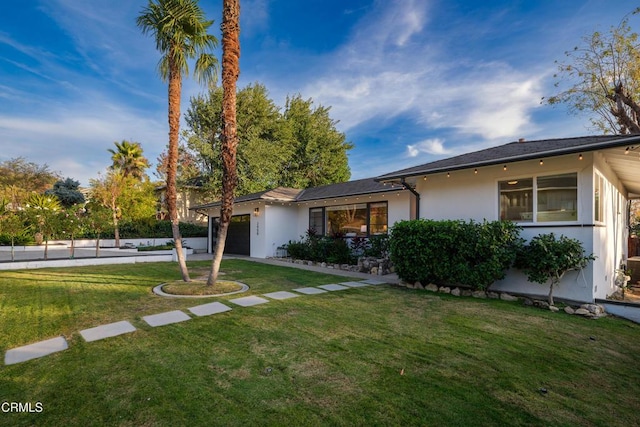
373, 282
107, 331
354, 284
281, 295
333, 287
248, 301
310, 291
166, 318
209, 309
35, 350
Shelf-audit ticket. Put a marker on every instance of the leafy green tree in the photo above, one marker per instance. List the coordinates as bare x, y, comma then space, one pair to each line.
129, 159
180, 31
547, 259
298, 148
19, 178
107, 191
262, 149
12, 225
96, 219
603, 79
320, 151
43, 211
188, 168
67, 192
229, 135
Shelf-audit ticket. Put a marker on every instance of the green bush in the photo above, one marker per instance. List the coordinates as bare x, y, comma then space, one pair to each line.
149, 228
546, 259
454, 252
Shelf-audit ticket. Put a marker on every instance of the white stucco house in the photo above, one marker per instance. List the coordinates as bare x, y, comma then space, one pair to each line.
262, 222
578, 187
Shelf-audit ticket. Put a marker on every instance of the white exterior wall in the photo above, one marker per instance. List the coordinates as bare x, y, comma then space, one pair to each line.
281, 226
610, 235
466, 195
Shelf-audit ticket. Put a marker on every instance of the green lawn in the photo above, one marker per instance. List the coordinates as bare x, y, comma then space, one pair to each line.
368, 356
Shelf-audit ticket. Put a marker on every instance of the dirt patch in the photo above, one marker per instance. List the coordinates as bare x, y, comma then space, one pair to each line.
199, 287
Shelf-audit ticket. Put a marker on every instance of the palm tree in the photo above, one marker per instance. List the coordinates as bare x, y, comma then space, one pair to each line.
128, 158
229, 136
180, 31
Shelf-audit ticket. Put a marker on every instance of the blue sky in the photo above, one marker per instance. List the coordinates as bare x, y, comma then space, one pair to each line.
410, 81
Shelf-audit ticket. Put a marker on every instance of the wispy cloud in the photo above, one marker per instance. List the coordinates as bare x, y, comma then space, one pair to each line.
433, 146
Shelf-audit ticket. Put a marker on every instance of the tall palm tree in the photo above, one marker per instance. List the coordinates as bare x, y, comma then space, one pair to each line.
229, 136
180, 31
128, 158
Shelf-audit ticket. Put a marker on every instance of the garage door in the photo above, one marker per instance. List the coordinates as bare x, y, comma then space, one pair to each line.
239, 236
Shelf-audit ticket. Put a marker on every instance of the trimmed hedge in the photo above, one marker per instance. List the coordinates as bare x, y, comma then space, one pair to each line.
454, 252
150, 228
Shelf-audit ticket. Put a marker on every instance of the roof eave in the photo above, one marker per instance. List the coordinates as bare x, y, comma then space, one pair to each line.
541, 154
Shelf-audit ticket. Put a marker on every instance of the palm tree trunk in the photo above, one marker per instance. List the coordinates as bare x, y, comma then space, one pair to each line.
229, 137
175, 90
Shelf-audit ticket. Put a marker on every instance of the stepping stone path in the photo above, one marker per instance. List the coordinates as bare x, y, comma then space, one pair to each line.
33, 351
248, 301
209, 309
281, 295
107, 331
53, 345
166, 318
333, 287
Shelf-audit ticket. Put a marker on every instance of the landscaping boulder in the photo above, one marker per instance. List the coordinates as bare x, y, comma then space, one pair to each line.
431, 287
493, 295
554, 308
506, 297
479, 294
444, 290
582, 312
569, 310
455, 292
418, 285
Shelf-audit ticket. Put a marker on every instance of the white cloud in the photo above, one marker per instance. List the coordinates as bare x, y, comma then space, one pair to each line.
433, 146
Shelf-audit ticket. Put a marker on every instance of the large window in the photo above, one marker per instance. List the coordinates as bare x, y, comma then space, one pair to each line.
360, 219
540, 199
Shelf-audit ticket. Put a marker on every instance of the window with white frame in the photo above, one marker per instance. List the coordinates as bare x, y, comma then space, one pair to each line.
550, 198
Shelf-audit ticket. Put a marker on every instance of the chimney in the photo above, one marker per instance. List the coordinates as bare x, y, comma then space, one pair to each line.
521, 140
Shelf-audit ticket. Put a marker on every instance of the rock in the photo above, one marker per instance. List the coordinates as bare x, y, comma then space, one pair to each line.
493, 295
324, 265
374, 271
410, 285
527, 301
418, 285
506, 297
466, 292
569, 310
455, 292
479, 294
541, 304
431, 287
444, 290
582, 312
554, 308
344, 267
593, 308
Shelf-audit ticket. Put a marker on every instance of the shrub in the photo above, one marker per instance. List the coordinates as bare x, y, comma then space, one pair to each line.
378, 246
547, 259
454, 252
297, 250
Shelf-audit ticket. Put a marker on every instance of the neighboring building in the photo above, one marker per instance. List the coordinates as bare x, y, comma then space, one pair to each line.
263, 222
578, 187
190, 194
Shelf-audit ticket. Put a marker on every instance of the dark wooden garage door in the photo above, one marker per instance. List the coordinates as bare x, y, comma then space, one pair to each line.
239, 236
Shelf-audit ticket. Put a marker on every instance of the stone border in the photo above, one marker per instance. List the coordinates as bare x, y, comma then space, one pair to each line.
158, 291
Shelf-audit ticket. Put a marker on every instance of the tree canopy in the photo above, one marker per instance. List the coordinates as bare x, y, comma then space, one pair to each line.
67, 191
602, 79
19, 178
128, 158
295, 147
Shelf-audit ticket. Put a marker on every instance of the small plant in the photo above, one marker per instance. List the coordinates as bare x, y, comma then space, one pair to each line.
547, 259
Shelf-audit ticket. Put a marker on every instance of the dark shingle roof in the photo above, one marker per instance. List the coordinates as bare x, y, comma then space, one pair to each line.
514, 151
343, 189
284, 194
